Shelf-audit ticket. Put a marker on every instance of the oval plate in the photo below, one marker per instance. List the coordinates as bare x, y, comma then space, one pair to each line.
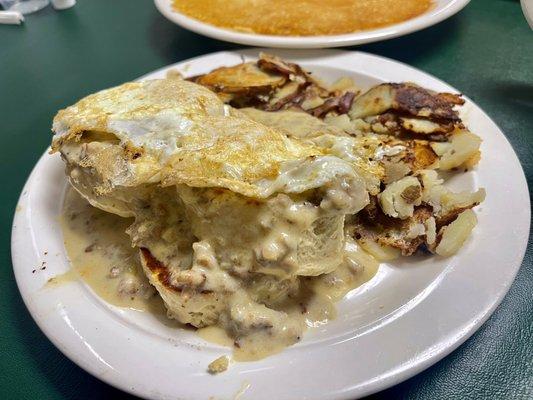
441, 10
411, 314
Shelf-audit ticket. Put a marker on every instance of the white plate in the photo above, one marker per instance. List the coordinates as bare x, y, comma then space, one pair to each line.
441, 10
527, 9
413, 313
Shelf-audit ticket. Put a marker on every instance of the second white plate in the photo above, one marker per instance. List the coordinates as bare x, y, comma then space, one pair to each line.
441, 10
410, 315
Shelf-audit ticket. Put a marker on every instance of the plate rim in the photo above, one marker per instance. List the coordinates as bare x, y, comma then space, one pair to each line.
383, 383
429, 18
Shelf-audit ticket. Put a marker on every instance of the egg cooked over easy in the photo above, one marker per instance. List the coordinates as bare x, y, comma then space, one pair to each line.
254, 186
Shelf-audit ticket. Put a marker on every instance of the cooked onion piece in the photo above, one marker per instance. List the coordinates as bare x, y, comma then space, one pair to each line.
380, 252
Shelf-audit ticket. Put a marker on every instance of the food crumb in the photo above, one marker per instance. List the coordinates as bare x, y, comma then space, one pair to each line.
174, 73
219, 365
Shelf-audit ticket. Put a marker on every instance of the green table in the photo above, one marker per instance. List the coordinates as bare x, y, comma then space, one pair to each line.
486, 51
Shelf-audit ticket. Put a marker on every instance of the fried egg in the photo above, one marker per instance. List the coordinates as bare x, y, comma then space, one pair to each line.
176, 132
218, 198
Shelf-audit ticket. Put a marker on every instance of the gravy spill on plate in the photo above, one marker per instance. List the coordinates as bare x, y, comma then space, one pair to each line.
302, 17
102, 256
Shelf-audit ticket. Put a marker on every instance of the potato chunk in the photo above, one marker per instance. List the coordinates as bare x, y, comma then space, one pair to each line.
463, 147
399, 198
455, 234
